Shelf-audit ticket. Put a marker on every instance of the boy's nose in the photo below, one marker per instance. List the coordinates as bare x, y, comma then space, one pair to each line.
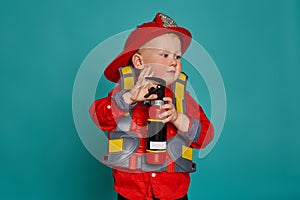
173, 62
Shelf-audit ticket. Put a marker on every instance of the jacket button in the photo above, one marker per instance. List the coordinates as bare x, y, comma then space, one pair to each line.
153, 175
108, 107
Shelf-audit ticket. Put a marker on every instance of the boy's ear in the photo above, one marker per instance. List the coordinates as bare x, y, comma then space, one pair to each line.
137, 61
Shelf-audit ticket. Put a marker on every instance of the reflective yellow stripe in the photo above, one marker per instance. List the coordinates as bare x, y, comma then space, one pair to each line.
187, 152
115, 145
127, 77
128, 83
179, 93
155, 151
179, 96
155, 120
179, 107
126, 70
182, 77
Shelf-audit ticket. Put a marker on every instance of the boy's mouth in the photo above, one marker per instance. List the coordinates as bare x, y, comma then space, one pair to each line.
171, 71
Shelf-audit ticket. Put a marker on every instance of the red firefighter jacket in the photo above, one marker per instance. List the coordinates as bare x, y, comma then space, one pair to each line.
106, 113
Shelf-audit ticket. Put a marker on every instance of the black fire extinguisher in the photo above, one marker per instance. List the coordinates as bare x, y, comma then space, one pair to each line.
157, 130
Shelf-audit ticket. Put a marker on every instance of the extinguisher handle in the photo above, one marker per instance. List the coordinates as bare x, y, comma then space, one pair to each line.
152, 90
159, 90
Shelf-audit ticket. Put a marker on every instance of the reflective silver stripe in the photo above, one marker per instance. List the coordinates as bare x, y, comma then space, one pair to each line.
157, 103
124, 123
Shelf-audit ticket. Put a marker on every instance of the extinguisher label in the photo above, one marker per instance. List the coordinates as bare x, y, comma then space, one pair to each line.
158, 145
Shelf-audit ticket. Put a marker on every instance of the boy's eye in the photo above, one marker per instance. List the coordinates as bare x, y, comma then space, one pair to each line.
165, 55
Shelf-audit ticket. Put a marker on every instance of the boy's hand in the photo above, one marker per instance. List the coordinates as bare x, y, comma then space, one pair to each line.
180, 120
171, 113
140, 89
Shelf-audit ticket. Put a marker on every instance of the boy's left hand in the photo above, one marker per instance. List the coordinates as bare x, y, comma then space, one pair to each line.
171, 113
179, 120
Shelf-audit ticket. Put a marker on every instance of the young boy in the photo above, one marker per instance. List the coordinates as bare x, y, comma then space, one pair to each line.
153, 49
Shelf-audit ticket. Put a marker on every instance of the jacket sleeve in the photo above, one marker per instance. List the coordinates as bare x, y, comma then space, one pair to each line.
201, 131
106, 112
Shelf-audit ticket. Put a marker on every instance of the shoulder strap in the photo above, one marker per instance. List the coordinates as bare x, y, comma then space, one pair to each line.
127, 77
179, 93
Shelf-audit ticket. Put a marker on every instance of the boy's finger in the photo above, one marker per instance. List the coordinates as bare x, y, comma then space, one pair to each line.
151, 74
168, 99
142, 74
166, 106
152, 96
167, 119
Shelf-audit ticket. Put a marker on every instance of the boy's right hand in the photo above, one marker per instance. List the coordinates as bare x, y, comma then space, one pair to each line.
141, 88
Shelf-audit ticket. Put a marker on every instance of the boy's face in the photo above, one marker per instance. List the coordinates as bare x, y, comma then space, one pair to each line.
162, 54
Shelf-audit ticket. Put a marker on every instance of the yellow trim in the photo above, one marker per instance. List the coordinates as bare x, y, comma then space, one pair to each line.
182, 77
179, 107
115, 145
150, 151
126, 70
128, 82
155, 120
179, 91
187, 152
179, 96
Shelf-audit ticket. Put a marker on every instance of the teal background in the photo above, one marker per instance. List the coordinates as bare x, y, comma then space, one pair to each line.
255, 45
